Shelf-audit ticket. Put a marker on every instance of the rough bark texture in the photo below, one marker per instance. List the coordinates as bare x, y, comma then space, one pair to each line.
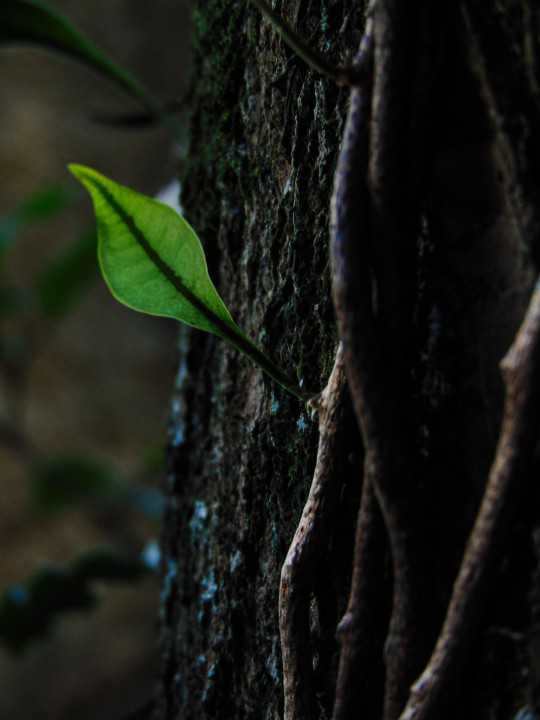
265, 136
264, 141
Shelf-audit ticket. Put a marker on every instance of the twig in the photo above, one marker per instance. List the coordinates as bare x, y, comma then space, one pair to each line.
310, 540
351, 75
509, 478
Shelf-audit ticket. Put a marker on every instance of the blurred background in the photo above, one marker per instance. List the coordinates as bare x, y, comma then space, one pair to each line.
84, 382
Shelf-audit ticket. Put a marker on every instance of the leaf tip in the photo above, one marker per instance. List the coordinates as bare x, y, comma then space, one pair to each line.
78, 171
85, 175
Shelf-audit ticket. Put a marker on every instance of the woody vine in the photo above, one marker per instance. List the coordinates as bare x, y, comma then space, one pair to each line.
377, 209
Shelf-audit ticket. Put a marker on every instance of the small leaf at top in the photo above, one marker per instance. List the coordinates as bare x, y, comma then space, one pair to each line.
30, 21
153, 262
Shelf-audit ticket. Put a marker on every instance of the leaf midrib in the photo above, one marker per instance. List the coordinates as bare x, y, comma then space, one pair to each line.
234, 336
160, 264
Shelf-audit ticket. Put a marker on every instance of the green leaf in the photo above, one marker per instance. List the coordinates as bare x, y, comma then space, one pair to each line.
62, 284
25, 21
153, 262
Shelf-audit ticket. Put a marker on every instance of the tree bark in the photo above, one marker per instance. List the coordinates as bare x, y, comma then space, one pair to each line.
265, 137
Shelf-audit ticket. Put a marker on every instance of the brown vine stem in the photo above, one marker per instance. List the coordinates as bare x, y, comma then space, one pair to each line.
310, 541
408, 41
360, 673
341, 75
522, 193
361, 654
521, 149
508, 479
373, 248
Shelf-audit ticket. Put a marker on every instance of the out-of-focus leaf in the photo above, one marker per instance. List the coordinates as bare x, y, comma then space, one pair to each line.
59, 589
68, 481
41, 205
45, 203
29, 610
25, 21
70, 274
62, 482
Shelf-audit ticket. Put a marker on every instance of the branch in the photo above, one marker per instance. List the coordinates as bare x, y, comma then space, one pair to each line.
309, 543
509, 478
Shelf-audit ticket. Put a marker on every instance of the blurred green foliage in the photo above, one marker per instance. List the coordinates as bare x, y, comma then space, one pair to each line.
29, 610
29, 21
60, 482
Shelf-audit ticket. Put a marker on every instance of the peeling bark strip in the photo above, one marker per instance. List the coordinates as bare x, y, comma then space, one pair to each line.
298, 575
509, 479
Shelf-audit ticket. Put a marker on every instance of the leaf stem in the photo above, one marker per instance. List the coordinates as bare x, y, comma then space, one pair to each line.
256, 355
315, 60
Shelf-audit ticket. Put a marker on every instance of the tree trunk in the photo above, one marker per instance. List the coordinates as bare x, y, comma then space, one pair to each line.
463, 173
